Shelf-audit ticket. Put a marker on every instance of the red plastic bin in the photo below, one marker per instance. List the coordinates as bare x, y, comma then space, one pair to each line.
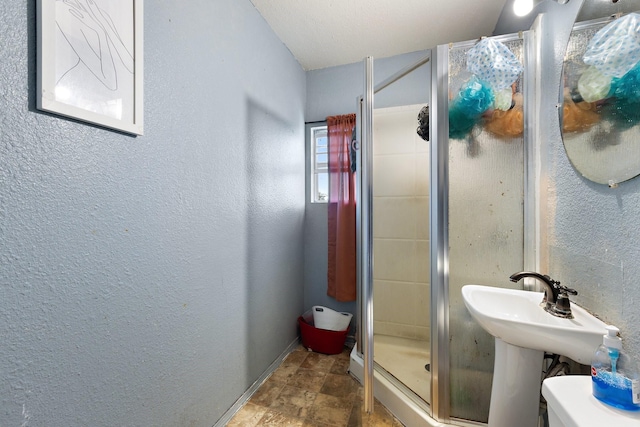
321, 340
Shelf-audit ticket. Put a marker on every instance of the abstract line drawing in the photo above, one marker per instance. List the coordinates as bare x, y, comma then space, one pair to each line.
93, 61
92, 34
90, 61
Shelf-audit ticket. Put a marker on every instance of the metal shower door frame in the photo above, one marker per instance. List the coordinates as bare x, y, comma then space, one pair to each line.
364, 217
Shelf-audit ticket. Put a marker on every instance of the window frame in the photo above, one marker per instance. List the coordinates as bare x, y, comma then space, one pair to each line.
316, 132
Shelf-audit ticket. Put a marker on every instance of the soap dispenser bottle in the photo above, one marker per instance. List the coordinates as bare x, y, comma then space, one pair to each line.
614, 377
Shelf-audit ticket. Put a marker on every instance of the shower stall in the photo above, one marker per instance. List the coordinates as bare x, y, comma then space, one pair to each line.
433, 216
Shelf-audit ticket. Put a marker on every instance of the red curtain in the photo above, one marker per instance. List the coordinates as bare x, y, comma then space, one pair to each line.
341, 273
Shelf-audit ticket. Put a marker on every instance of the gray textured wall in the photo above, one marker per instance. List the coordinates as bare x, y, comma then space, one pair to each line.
148, 281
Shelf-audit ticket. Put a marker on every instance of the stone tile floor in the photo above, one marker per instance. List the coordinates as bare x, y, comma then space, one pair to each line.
311, 390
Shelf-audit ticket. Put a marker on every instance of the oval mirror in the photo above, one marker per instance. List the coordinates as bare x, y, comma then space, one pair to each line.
600, 112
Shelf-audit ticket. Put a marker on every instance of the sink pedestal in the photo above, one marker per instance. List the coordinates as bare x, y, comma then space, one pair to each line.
515, 393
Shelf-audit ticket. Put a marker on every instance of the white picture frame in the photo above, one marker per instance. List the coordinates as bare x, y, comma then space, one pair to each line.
90, 64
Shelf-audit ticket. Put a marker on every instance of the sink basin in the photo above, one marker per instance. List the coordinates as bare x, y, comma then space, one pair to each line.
523, 331
517, 318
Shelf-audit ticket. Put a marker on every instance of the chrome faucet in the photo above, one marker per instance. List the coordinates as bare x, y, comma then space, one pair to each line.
556, 298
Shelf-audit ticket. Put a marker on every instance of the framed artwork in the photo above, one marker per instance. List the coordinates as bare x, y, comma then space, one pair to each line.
90, 61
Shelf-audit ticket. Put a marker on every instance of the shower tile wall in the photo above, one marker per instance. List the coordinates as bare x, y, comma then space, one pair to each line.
400, 224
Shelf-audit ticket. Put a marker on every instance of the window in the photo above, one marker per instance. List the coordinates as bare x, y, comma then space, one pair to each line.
319, 164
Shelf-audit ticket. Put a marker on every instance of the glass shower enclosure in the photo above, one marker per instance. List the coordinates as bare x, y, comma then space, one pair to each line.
485, 221
433, 216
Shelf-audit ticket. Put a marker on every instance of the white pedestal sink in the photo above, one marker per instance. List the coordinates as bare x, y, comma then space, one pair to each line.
523, 332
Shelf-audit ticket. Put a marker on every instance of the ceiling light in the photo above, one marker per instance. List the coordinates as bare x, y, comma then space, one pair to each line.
522, 7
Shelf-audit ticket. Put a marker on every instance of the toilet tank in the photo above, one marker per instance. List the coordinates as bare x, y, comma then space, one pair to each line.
570, 403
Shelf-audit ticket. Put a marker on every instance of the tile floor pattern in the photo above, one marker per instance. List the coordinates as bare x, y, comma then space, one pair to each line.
311, 390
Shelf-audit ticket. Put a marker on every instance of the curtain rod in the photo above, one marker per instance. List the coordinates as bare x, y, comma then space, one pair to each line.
315, 123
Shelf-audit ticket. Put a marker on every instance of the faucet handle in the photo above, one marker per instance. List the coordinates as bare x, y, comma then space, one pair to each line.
564, 289
553, 283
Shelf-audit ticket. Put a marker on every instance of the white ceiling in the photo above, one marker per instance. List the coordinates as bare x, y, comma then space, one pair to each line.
325, 33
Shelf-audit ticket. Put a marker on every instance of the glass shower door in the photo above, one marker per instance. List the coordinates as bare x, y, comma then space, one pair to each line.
486, 234
401, 247
393, 232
